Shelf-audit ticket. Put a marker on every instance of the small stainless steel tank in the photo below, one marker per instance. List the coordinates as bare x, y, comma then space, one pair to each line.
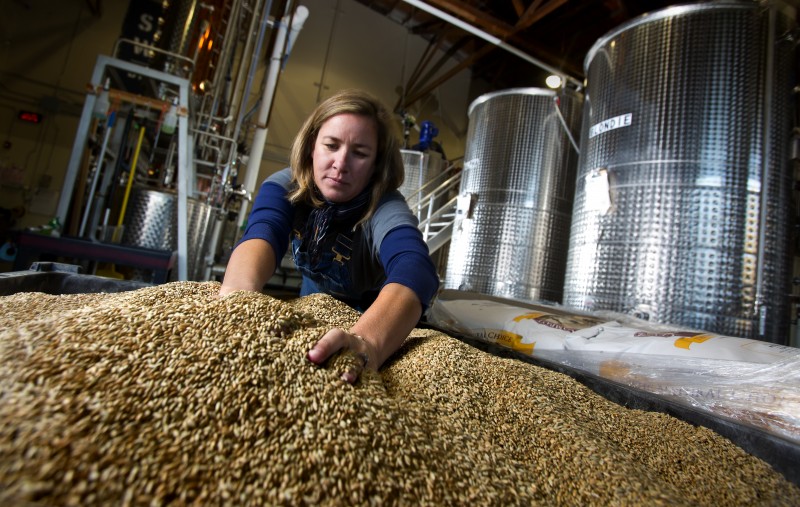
152, 222
423, 171
512, 227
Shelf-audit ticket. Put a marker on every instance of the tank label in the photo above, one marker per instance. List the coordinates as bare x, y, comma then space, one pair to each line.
616, 122
598, 196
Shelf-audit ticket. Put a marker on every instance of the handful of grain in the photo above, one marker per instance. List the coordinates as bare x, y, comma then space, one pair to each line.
170, 395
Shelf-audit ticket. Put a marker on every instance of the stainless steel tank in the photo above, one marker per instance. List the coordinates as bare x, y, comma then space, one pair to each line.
515, 199
152, 222
150, 219
423, 171
683, 193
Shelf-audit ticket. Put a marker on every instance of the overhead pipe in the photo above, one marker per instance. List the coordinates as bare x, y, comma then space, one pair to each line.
229, 120
492, 39
187, 25
229, 45
254, 56
283, 40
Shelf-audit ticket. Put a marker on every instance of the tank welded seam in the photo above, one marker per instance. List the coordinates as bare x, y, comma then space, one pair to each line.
725, 164
760, 308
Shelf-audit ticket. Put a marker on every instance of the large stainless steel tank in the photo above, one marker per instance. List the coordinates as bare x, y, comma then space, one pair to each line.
683, 193
152, 222
515, 200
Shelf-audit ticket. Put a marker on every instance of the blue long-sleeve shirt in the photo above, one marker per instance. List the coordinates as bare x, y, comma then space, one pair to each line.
388, 248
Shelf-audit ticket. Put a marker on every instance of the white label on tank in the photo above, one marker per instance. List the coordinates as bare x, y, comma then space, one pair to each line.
616, 122
598, 196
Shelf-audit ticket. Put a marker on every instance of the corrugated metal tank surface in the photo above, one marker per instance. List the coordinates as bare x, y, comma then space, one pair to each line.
511, 232
421, 168
152, 222
667, 223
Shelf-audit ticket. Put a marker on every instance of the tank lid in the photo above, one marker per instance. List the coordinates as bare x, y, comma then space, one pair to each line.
673, 11
510, 91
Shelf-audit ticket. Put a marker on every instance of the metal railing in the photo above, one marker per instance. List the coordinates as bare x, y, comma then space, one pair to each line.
435, 206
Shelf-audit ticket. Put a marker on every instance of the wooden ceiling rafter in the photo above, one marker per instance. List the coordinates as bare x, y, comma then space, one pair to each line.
433, 46
464, 64
519, 7
556, 33
526, 18
474, 16
429, 28
444, 58
536, 11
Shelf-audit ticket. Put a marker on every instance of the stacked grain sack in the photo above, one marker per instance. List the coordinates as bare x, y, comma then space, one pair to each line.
169, 395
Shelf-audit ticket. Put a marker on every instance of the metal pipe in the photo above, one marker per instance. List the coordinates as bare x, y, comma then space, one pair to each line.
253, 66
216, 232
97, 167
231, 29
186, 177
235, 100
760, 307
149, 47
556, 102
186, 27
284, 40
492, 39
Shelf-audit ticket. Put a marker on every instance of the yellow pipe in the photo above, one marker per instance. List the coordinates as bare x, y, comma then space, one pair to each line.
130, 177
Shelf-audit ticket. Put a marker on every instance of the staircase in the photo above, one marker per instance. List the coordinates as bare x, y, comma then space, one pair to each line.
434, 203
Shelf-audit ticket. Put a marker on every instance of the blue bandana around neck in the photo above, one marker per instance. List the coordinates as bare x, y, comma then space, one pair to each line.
320, 218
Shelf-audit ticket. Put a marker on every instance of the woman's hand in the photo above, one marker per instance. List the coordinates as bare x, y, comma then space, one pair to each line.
385, 324
337, 339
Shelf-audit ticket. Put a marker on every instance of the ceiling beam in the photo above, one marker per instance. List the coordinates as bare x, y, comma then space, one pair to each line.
431, 86
519, 7
535, 12
477, 17
487, 36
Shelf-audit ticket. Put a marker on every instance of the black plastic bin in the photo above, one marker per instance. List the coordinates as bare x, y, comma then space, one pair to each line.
56, 278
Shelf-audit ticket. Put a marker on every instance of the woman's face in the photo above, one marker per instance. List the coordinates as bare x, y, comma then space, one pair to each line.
344, 156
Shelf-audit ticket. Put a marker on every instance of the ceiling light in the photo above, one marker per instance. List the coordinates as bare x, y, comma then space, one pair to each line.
553, 81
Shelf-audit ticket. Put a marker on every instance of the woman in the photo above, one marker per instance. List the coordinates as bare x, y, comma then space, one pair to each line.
352, 234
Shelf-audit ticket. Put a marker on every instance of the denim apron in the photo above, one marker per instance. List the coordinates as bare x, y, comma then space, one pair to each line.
336, 269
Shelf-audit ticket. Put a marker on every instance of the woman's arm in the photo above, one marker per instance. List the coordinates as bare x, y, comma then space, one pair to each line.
255, 258
251, 265
379, 332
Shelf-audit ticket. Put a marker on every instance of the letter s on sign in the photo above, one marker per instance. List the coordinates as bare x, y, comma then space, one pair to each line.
146, 23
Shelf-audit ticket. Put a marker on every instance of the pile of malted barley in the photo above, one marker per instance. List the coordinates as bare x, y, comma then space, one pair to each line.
168, 395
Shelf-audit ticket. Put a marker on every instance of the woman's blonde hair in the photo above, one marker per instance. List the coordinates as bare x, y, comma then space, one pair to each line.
389, 171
